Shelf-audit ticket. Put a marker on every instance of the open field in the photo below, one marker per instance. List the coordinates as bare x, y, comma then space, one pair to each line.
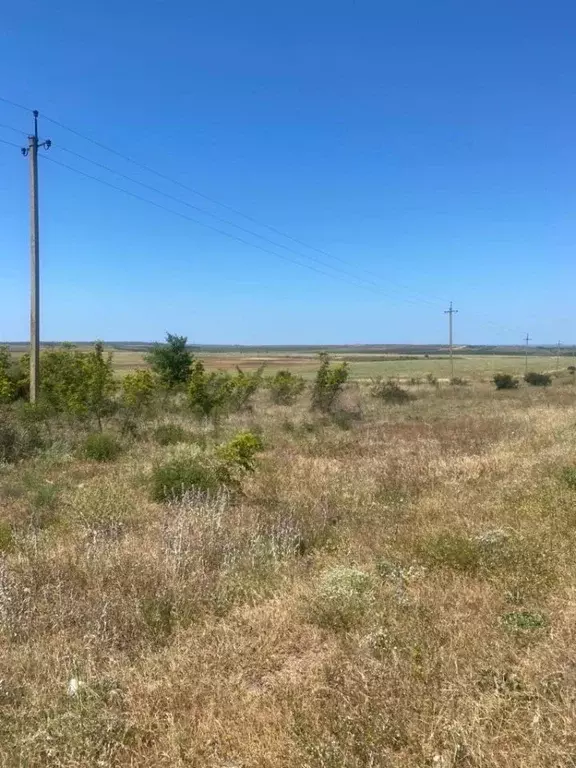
389, 589
368, 363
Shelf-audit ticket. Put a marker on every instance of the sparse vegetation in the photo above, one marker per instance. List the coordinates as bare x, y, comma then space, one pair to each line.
386, 590
328, 384
538, 379
390, 392
505, 381
286, 387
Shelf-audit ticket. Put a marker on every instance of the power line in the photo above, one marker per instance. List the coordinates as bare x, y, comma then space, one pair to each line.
201, 223
15, 104
195, 191
15, 130
214, 216
10, 143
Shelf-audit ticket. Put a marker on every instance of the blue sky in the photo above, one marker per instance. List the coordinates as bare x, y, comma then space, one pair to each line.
430, 146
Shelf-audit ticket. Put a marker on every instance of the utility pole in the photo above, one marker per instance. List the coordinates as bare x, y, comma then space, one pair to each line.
527, 341
451, 312
32, 151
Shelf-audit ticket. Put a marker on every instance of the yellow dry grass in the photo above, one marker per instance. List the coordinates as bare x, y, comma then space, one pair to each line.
229, 633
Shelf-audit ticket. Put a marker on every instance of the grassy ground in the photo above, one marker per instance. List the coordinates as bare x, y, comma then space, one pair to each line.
479, 367
397, 590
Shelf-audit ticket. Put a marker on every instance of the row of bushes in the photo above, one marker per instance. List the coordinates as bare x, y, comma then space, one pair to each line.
507, 381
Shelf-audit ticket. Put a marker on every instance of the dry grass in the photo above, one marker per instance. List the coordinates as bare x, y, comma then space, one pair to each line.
398, 592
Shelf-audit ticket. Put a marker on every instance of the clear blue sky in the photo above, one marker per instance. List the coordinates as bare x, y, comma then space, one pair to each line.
431, 144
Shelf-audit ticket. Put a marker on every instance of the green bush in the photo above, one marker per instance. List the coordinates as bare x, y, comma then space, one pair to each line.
176, 477
342, 596
390, 392
80, 383
241, 450
209, 394
243, 386
569, 477
457, 381
138, 390
505, 381
538, 379
431, 379
100, 446
171, 361
18, 443
171, 434
329, 382
285, 387
524, 620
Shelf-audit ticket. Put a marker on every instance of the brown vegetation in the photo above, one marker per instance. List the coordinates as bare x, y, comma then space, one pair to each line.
394, 589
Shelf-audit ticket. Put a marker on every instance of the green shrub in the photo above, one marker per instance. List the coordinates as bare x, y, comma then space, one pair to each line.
329, 382
171, 361
431, 379
209, 394
243, 386
451, 550
176, 477
171, 434
390, 392
138, 390
569, 477
8, 443
505, 381
6, 537
80, 383
342, 596
524, 620
100, 446
538, 379
457, 381
571, 369
285, 387
241, 450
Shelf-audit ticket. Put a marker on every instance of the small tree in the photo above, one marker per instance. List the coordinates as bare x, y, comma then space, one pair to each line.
538, 379
329, 382
7, 389
243, 387
285, 387
505, 381
171, 361
138, 389
209, 393
100, 383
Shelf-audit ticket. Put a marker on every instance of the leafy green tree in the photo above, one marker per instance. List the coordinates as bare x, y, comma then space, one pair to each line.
171, 361
138, 390
243, 387
76, 382
7, 389
285, 387
209, 393
329, 382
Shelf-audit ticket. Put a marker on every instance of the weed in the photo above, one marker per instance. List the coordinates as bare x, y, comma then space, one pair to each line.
524, 620
101, 446
568, 476
341, 598
171, 434
390, 392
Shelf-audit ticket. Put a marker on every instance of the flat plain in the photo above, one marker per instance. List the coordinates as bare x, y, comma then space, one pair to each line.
394, 585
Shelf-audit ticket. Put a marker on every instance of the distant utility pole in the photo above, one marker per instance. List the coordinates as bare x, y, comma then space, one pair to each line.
527, 341
32, 151
451, 312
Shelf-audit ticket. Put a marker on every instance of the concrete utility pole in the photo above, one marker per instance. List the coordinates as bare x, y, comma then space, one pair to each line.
527, 341
451, 312
32, 151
